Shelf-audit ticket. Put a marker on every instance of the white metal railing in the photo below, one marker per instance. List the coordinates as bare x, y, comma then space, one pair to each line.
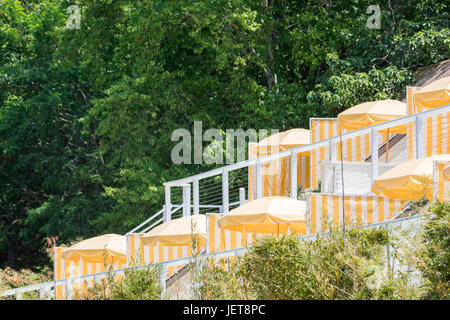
191, 190
156, 215
158, 218
49, 287
330, 143
43, 288
190, 185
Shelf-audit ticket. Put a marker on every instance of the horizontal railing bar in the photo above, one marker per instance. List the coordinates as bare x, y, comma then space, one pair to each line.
33, 287
355, 163
177, 207
410, 118
315, 118
146, 221
211, 173
357, 132
371, 194
153, 224
209, 205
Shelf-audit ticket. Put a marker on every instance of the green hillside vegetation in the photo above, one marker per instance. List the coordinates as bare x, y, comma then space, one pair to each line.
86, 115
372, 264
417, 267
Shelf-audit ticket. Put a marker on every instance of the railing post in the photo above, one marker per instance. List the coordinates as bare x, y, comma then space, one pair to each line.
259, 184
439, 180
294, 162
225, 195
66, 289
41, 293
374, 153
128, 239
196, 196
419, 137
308, 214
186, 200
168, 205
69, 290
241, 196
333, 151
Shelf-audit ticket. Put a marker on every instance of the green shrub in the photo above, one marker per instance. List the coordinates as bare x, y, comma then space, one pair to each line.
219, 280
319, 269
332, 266
435, 252
135, 285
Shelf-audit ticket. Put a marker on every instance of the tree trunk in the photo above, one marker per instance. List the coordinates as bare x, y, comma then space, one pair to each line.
271, 76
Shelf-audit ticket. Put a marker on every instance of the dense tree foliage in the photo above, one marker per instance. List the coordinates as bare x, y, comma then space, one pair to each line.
86, 115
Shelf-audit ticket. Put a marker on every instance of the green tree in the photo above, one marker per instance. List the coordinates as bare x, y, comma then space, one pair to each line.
49, 169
